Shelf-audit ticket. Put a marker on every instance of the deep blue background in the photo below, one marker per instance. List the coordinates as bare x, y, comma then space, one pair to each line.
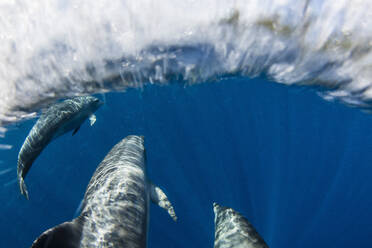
298, 167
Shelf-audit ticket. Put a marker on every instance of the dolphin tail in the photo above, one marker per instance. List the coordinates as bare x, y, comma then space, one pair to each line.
22, 187
67, 234
160, 198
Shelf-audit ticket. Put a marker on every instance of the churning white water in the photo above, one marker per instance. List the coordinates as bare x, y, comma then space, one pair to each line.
56, 48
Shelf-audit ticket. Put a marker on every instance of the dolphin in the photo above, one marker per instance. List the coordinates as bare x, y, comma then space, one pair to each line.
115, 208
57, 120
232, 230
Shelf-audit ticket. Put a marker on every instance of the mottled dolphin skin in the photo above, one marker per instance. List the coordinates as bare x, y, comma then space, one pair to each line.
115, 210
232, 230
57, 120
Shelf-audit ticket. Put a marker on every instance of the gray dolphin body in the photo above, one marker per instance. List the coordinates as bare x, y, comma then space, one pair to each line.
115, 208
232, 230
57, 120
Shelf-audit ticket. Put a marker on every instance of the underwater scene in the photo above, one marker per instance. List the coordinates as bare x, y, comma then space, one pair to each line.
225, 124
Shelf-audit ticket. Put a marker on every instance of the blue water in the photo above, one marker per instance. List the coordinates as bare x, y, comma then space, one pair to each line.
298, 167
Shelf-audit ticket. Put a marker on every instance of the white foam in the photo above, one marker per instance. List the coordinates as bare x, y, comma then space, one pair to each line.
2, 132
56, 48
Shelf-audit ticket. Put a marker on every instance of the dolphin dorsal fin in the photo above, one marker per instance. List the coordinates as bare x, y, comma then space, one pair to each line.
160, 198
65, 235
92, 119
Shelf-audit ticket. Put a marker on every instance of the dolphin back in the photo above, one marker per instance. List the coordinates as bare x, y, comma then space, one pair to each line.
233, 230
38, 138
117, 198
115, 209
126, 158
115, 204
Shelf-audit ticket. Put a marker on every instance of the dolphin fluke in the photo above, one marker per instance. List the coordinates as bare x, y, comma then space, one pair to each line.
65, 235
23, 188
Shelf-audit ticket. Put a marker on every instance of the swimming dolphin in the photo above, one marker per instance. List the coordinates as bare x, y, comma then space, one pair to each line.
115, 209
57, 120
232, 230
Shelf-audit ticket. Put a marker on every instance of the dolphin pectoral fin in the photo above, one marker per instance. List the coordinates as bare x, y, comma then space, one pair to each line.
22, 187
67, 234
92, 119
75, 131
159, 197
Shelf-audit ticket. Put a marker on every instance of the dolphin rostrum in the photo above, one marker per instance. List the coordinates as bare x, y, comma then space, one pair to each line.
115, 209
57, 120
232, 230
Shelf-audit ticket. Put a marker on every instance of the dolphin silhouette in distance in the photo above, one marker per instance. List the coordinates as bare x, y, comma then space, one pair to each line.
57, 120
233, 230
115, 209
